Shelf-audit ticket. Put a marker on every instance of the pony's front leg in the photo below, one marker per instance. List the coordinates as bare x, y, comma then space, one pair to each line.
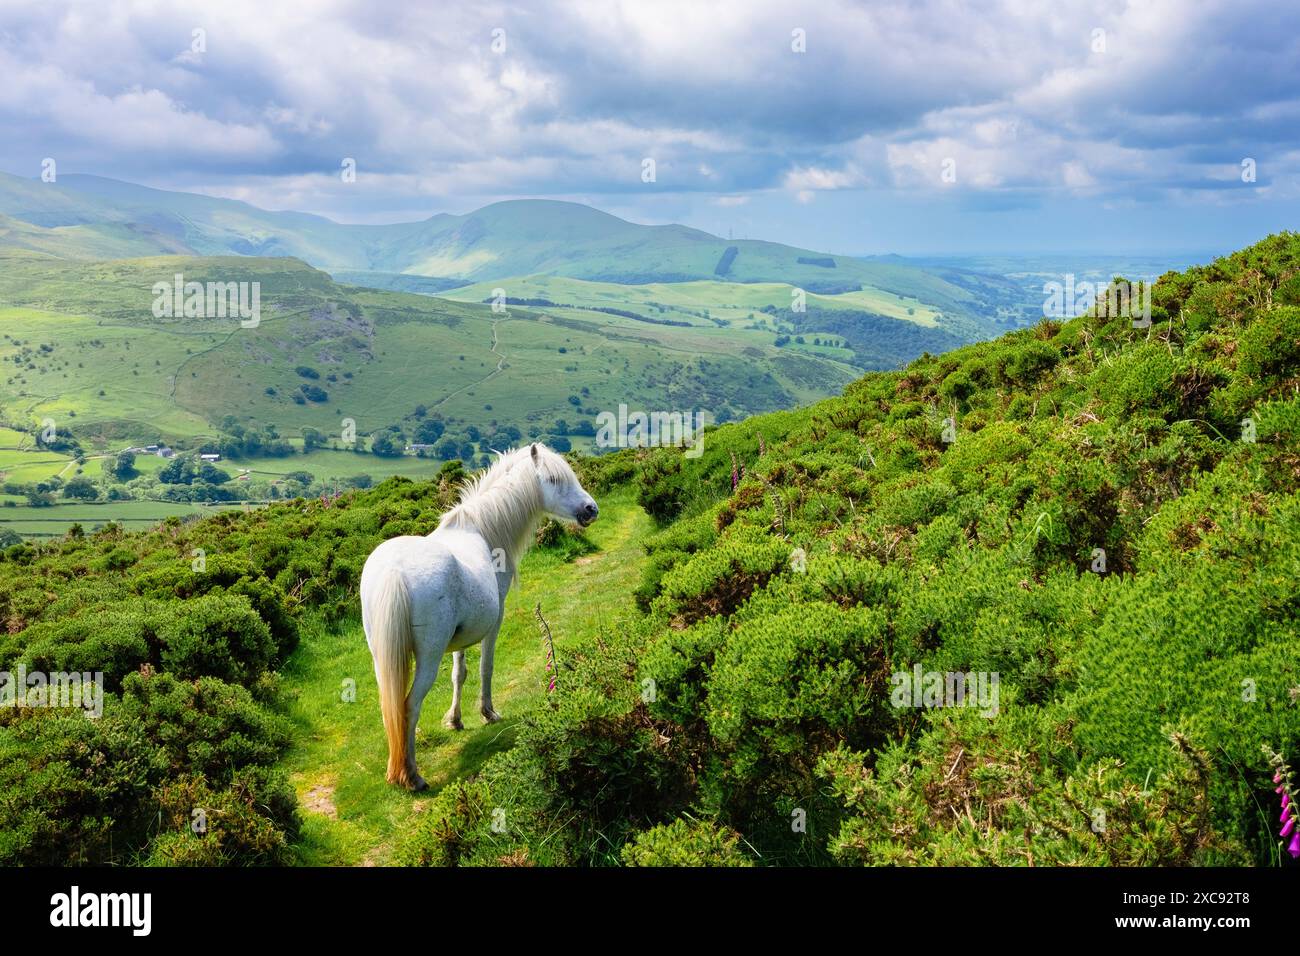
458, 670
485, 677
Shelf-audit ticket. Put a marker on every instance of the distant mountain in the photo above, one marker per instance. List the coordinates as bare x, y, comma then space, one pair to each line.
93, 217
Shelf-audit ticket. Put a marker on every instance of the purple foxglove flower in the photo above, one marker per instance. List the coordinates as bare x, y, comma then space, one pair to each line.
1294, 848
1286, 830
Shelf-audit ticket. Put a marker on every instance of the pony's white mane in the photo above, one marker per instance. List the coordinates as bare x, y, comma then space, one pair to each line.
504, 502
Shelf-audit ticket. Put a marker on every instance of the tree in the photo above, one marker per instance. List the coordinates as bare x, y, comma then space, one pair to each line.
123, 466
386, 445
82, 489
211, 474
430, 431
312, 438
178, 471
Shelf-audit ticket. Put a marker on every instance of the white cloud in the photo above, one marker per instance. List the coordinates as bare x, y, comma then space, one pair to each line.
1010, 91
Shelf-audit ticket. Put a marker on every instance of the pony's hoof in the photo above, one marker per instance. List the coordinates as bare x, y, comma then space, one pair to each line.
453, 722
490, 716
417, 784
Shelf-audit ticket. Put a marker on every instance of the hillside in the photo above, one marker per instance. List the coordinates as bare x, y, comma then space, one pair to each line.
335, 381
1107, 521
82, 347
92, 217
1104, 517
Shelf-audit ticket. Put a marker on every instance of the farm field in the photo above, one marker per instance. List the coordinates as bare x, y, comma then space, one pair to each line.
328, 465
54, 521
27, 464
332, 468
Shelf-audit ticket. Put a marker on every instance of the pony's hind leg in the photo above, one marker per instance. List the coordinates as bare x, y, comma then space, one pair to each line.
458, 669
426, 672
487, 652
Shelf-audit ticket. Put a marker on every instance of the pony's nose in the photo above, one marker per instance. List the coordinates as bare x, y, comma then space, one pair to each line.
590, 511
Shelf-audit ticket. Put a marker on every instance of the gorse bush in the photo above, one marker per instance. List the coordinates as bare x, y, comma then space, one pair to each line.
718, 580
84, 791
188, 624
683, 843
1102, 515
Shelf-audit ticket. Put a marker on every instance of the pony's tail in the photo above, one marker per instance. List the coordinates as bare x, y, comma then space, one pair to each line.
391, 645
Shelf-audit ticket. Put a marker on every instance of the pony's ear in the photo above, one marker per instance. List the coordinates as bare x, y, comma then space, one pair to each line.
534, 451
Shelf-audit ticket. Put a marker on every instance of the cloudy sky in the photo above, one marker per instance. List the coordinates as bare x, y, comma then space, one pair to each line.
917, 127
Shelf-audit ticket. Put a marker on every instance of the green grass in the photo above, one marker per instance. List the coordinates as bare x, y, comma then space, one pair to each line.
28, 464
327, 464
351, 814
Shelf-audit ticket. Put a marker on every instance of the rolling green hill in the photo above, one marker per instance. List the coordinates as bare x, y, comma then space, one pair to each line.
80, 345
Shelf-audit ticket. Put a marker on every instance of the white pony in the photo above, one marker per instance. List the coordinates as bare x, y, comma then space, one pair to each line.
425, 596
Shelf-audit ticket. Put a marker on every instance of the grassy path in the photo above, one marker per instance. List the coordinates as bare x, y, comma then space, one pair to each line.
351, 815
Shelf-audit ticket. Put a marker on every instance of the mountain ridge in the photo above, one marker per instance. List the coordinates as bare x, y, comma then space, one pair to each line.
514, 237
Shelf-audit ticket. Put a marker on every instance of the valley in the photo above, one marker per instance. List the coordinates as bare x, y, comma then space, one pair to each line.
391, 350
